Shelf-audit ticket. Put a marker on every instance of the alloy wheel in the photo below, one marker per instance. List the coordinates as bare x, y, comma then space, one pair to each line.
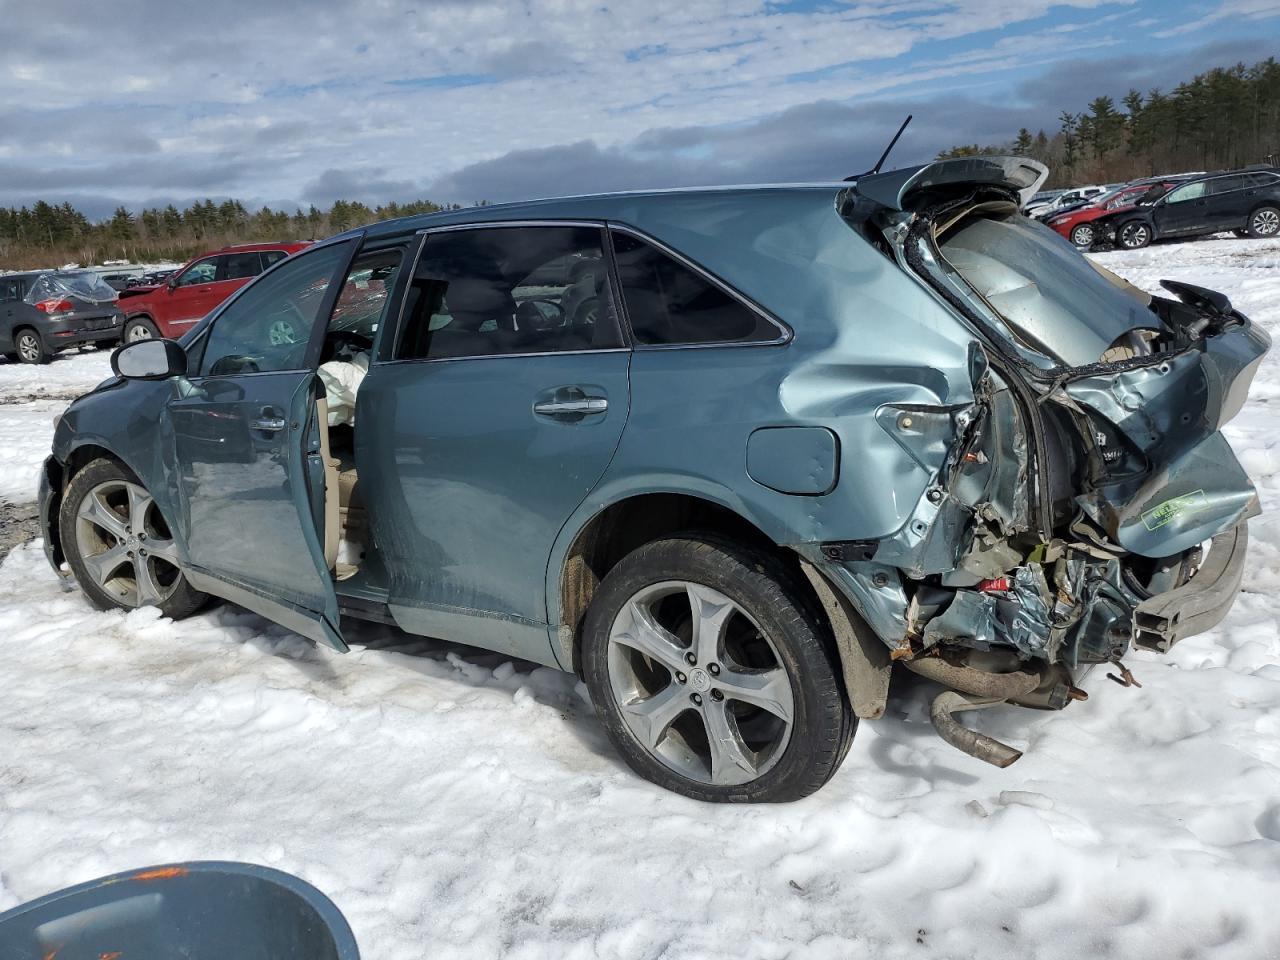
139, 331
1265, 223
1135, 235
28, 347
124, 544
699, 684
1082, 236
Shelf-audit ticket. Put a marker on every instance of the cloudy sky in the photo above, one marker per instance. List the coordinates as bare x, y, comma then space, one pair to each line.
296, 101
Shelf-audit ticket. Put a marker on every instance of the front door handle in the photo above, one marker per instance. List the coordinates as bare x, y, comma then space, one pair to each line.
269, 424
581, 407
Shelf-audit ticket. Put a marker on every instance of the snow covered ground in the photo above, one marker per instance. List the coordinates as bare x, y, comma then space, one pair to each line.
454, 804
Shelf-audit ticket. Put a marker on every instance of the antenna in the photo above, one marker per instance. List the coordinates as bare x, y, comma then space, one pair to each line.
884, 156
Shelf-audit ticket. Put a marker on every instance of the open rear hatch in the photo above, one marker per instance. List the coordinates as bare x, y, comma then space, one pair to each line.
1110, 400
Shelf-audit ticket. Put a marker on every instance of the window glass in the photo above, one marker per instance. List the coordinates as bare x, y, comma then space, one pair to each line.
667, 302
1227, 184
237, 266
365, 295
9, 289
202, 271
1191, 191
268, 327
1263, 180
272, 256
503, 290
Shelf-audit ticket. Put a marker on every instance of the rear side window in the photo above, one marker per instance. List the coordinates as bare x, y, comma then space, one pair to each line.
496, 291
670, 303
238, 266
1263, 180
1227, 184
10, 290
272, 256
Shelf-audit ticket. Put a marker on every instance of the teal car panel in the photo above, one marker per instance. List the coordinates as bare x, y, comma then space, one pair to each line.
473, 484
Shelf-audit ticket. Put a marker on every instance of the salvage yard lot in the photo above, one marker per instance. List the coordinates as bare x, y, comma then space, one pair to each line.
454, 803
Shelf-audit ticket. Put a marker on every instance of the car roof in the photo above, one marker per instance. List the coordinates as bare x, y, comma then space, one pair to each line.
293, 245
621, 206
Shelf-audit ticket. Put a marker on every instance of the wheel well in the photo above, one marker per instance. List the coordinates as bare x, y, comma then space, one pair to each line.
628, 525
83, 455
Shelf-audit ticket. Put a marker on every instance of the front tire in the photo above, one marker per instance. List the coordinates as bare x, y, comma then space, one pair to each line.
1134, 235
119, 546
1264, 222
711, 674
30, 347
139, 328
1083, 235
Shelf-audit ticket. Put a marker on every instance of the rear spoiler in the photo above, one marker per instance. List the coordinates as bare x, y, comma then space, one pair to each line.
893, 189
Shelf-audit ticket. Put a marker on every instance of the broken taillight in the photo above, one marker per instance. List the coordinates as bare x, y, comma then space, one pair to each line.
55, 306
995, 585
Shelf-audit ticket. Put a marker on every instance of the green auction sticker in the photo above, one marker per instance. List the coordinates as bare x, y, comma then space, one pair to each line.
1162, 513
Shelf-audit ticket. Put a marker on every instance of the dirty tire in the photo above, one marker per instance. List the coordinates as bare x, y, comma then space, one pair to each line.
30, 347
181, 602
763, 590
139, 328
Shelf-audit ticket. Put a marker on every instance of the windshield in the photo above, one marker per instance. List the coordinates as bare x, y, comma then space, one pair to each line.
83, 284
1052, 296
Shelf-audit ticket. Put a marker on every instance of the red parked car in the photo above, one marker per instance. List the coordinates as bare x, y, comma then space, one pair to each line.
1077, 225
172, 308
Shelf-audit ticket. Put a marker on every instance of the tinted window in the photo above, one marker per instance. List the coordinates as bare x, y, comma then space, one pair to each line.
494, 291
667, 302
202, 271
272, 256
237, 266
1227, 184
1263, 180
268, 327
10, 289
1191, 191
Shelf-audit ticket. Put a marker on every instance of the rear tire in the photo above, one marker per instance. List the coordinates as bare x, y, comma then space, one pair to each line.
753, 711
1264, 223
139, 328
119, 546
30, 347
1133, 235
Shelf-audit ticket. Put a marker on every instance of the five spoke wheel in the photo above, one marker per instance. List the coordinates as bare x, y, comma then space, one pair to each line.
699, 684
124, 544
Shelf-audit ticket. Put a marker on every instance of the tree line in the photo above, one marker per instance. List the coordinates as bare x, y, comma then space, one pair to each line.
46, 234
1225, 118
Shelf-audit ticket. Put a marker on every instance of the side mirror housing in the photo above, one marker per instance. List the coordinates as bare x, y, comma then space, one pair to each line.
150, 360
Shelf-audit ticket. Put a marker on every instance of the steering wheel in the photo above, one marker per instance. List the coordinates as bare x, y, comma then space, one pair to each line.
531, 316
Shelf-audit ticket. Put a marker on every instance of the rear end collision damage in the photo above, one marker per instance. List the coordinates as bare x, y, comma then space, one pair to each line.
1082, 500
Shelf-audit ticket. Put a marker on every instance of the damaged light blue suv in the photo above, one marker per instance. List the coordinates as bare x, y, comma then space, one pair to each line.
728, 454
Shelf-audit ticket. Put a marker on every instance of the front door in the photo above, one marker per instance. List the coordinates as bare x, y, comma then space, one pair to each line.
244, 433
501, 406
1184, 211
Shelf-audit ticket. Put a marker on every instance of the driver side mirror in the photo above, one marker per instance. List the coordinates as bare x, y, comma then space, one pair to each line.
150, 360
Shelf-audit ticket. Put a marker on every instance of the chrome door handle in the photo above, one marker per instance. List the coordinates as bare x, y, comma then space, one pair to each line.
583, 406
269, 424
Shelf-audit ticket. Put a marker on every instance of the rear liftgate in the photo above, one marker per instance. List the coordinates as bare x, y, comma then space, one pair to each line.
1086, 499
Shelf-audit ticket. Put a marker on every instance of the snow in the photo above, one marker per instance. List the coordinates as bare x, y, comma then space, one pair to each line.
454, 803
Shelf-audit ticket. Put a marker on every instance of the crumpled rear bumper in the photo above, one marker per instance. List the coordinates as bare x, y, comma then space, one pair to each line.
1199, 604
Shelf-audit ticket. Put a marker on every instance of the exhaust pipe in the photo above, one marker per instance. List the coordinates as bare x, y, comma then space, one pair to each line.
987, 749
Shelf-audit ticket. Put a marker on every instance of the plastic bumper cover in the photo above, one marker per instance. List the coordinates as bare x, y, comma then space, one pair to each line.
1198, 605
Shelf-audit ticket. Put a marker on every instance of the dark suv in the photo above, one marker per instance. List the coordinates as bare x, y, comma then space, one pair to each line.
1246, 202
730, 455
47, 311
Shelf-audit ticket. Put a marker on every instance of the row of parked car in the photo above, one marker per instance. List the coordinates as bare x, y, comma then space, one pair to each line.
45, 311
1174, 206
